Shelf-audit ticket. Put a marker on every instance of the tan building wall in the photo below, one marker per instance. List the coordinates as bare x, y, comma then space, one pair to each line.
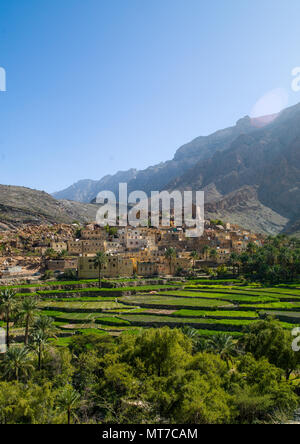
62, 264
58, 247
147, 268
98, 234
116, 266
86, 246
139, 238
114, 247
181, 262
223, 255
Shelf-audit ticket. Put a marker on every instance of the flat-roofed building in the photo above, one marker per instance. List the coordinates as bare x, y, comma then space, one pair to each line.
86, 246
94, 234
62, 264
116, 266
58, 247
147, 269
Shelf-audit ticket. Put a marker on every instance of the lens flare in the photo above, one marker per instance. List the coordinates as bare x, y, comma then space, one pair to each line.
271, 103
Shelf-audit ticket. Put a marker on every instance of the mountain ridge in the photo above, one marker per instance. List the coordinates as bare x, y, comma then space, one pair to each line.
261, 153
161, 174
21, 205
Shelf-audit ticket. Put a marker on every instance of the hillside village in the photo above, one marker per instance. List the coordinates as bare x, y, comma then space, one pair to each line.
35, 251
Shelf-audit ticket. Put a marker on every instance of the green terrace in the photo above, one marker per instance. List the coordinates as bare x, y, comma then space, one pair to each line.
216, 314
273, 306
112, 283
208, 281
105, 291
229, 296
82, 306
215, 324
272, 292
173, 301
210, 306
286, 316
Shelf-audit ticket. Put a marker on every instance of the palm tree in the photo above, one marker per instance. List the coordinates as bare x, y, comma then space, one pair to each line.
190, 332
170, 254
251, 248
99, 262
68, 401
39, 342
28, 313
17, 363
234, 261
8, 305
224, 346
285, 259
43, 329
213, 254
46, 325
195, 257
205, 251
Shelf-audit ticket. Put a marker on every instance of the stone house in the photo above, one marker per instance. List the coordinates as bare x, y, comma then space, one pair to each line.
116, 266
86, 246
62, 264
58, 247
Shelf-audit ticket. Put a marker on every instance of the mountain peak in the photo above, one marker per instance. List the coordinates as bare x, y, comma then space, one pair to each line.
245, 122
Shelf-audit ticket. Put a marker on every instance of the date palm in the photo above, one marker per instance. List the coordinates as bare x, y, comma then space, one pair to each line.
68, 401
235, 262
195, 257
17, 363
28, 312
39, 342
190, 332
8, 306
99, 262
224, 346
46, 325
170, 254
205, 251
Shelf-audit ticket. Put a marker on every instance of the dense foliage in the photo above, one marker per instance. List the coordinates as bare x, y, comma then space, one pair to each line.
278, 260
156, 376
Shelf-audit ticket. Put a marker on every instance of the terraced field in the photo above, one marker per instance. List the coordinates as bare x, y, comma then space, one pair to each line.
164, 300
229, 296
208, 306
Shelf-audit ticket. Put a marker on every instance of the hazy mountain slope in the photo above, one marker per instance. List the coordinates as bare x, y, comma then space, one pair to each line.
250, 171
293, 228
267, 159
20, 205
243, 207
79, 191
158, 176
87, 190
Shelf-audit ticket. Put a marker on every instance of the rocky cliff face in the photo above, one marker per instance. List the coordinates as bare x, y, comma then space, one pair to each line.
250, 171
20, 206
267, 160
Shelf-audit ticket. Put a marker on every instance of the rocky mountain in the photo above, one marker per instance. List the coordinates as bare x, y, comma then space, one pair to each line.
20, 206
293, 227
158, 176
250, 173
242, 207
87, 190
266, 161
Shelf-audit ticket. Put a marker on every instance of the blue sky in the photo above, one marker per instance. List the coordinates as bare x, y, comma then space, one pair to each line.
97, 86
